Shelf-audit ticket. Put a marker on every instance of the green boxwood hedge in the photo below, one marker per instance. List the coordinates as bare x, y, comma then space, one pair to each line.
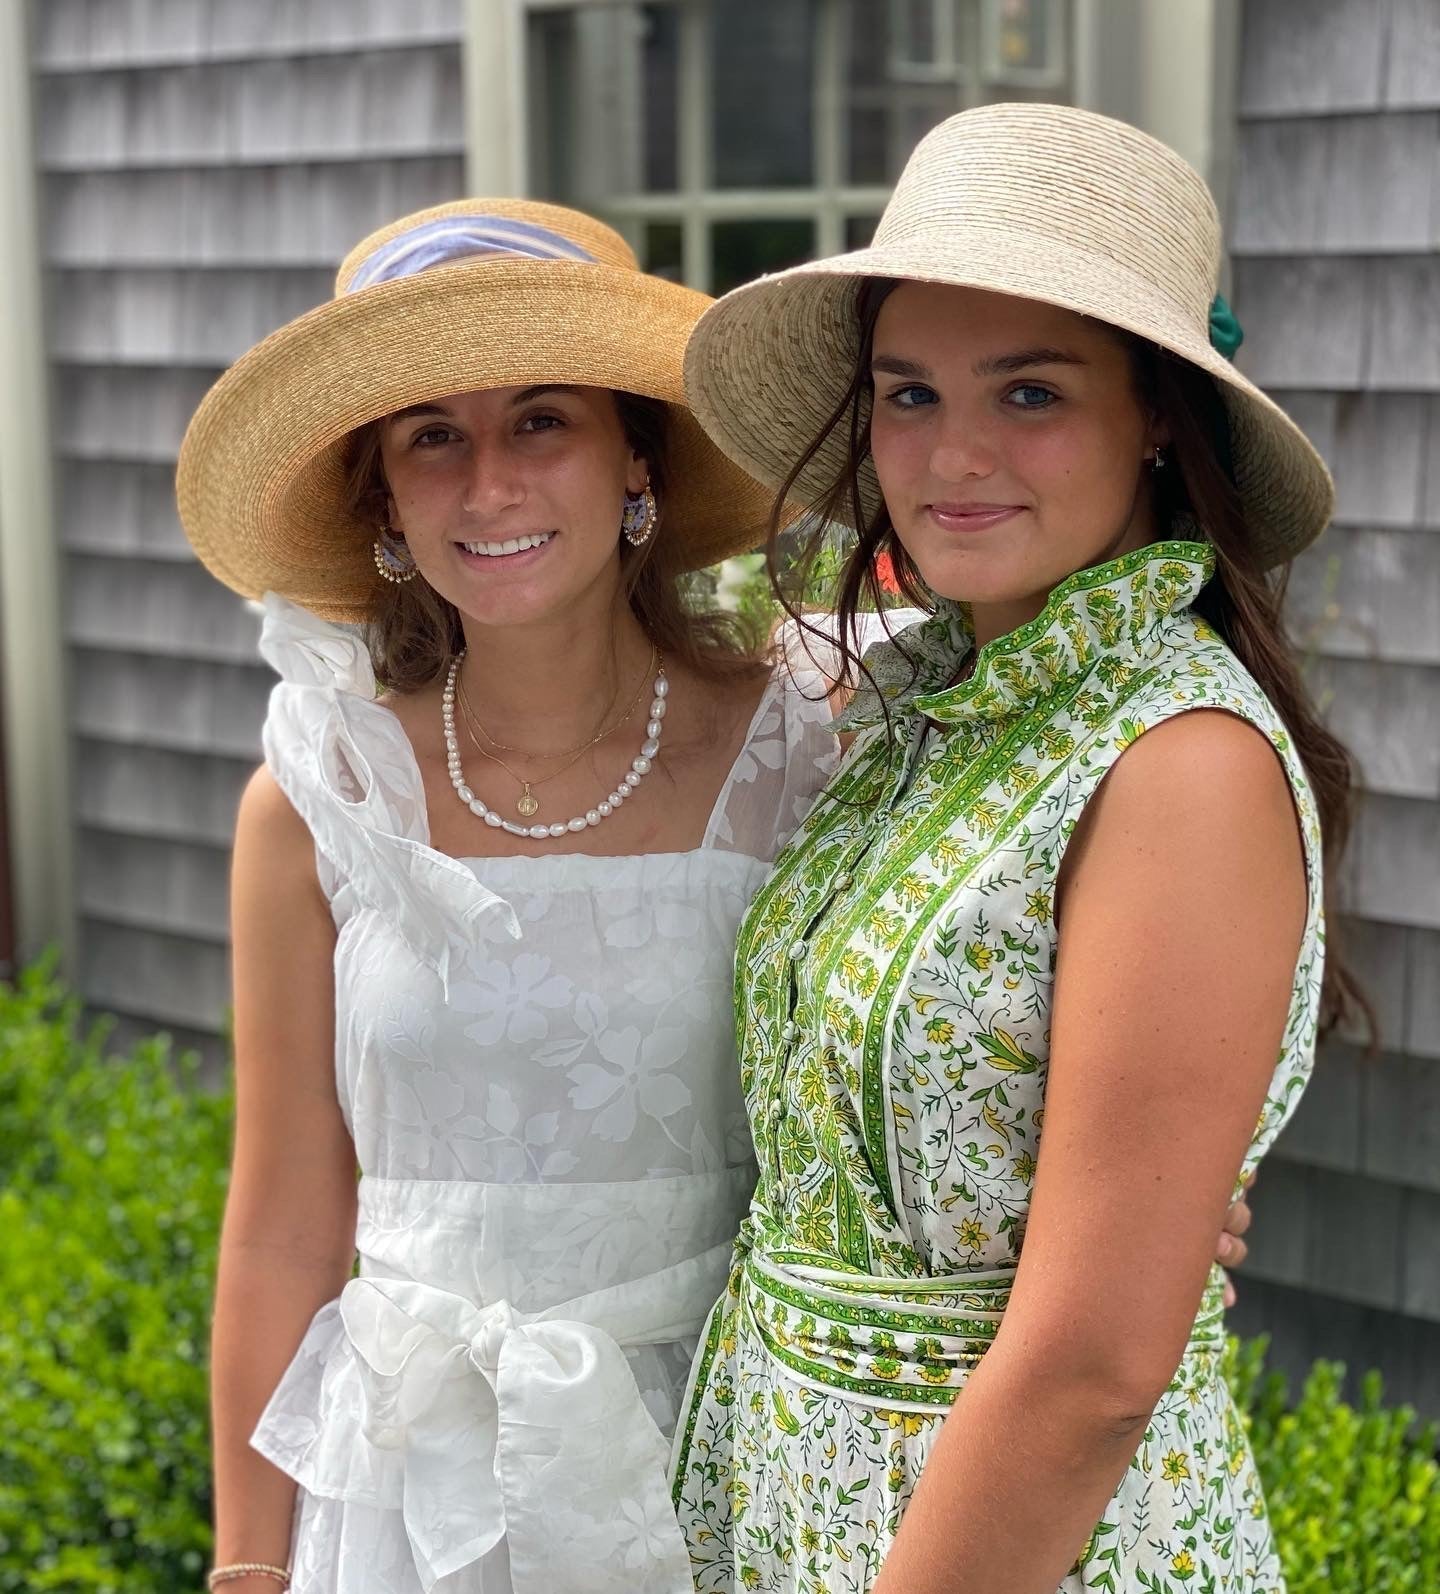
112, 1178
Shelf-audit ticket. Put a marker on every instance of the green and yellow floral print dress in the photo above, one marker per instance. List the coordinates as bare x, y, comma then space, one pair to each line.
893, 986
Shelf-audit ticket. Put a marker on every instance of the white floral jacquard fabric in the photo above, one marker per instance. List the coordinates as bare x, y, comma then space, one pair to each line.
894, 986
535, 1057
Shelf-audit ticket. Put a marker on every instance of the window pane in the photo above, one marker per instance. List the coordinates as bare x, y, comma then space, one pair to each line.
744, 249
912, 63
660, 33
663, 253
762, 76
1026, 35
602, 100
902, 77
859, 230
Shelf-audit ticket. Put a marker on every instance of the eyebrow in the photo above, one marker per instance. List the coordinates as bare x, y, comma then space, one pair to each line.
991, 365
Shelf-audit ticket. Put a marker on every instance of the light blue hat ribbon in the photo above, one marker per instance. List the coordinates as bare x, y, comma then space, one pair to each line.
1226, 334
451, 238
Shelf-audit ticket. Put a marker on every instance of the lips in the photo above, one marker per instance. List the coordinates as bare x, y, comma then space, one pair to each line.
971, 517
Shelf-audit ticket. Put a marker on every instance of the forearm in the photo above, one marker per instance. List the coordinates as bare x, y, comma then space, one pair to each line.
1022, 1471
264, 1301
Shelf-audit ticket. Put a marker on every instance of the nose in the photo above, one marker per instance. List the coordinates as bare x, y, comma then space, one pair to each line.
961, 451
493, 483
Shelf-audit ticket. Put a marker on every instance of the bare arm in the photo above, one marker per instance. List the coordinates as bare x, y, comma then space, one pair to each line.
287, 1244
1184, 903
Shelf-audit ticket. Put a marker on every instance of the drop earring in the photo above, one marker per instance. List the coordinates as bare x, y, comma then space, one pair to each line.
1159, 458
637, 520
393, 558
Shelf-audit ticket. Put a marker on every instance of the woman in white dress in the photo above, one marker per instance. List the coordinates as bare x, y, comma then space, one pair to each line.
484, 915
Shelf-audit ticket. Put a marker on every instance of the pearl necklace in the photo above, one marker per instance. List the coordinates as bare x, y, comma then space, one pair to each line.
640, 766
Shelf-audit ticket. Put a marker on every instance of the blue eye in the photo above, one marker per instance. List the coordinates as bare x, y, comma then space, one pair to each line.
1030, 396
432, 437
913, 396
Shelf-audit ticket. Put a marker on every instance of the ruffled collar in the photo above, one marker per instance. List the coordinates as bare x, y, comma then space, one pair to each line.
1117, 609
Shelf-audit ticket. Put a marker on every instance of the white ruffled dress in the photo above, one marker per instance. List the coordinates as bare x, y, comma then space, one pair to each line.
535, 1057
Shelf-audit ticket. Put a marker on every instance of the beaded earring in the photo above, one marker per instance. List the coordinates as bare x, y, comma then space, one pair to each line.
637, 521
393, 558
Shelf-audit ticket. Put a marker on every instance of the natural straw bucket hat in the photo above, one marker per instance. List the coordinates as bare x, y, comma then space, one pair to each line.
480, 293
1037, 201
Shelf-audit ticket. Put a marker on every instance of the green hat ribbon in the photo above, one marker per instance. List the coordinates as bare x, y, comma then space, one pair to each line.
1225, 331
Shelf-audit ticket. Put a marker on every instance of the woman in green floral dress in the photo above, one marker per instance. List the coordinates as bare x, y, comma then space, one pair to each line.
1014, 394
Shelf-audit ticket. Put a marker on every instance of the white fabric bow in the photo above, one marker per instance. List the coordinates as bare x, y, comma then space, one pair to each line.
526, 1428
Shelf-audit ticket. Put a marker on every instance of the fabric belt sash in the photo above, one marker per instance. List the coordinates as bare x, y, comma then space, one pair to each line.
898, 1343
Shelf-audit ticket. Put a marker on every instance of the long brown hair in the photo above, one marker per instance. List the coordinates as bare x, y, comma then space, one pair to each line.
1243, 603
413, 632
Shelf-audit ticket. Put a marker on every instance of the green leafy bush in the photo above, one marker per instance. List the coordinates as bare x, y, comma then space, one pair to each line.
112, 1176
1353, 1492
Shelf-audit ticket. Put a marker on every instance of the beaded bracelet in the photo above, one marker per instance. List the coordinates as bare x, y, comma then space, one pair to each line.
228, 1574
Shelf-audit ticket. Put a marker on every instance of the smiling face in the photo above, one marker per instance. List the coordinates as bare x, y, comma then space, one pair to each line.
510, 498
1011, 445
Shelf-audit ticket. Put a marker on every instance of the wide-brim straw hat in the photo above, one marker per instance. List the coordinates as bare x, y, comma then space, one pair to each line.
1037, 201
480, 293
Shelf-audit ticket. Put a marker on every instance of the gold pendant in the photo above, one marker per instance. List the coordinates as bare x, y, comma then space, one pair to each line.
527, 804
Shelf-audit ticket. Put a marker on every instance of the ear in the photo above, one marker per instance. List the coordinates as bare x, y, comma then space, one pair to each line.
637, 474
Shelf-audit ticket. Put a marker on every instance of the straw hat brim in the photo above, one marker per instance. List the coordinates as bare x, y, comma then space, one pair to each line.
260, 480
769, 362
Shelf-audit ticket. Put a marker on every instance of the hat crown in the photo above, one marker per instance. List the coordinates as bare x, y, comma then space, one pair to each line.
1056, 172
478, 229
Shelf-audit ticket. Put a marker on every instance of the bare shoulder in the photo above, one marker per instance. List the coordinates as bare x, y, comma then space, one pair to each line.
274, 851
267, 815
1205, 764
1202, 800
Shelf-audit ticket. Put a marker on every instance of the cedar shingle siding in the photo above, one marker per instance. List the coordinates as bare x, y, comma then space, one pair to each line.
1336, 243
205, 164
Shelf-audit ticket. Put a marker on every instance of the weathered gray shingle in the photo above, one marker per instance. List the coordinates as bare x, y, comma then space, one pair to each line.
98, 33
151, 792
162, 978
1401, 1133
183, 704
382, 102
1369, 594
260, 217
1397, 851
1404, 331
156, 885
174, 318
1389, 717
1305, 320
119, 507
1413, 75
1422, 1013
158, 607
1298, 56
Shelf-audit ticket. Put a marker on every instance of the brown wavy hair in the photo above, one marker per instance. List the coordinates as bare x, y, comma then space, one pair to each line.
1243, 602
413, 632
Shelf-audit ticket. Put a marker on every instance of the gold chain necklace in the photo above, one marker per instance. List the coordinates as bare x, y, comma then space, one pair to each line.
506, 747
527, 804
